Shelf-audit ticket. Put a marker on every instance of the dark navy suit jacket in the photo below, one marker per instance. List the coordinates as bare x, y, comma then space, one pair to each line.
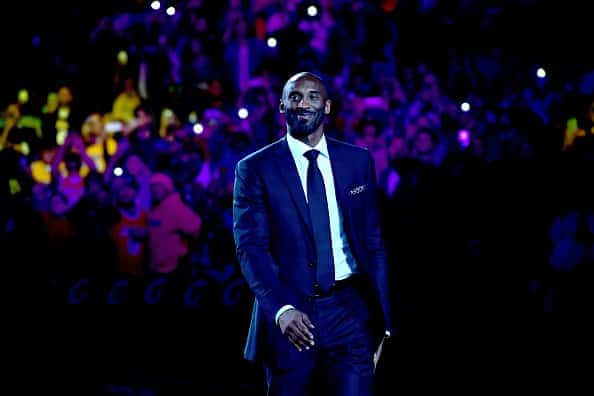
275, 245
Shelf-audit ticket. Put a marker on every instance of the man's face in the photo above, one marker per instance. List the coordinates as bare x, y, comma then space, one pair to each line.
305, 105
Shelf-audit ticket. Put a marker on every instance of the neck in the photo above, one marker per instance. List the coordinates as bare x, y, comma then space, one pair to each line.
312, 139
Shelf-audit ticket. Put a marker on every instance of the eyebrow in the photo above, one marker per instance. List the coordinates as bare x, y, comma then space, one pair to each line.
313, 91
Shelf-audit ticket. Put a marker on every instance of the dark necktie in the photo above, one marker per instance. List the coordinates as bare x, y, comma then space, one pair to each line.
320, 221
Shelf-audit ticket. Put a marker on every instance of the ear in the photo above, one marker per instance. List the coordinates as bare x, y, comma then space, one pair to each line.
327, 106
281, 107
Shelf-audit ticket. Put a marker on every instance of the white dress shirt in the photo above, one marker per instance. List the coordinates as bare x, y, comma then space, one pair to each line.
344, 263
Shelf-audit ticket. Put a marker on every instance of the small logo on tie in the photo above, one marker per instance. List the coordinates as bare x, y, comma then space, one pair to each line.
357, 190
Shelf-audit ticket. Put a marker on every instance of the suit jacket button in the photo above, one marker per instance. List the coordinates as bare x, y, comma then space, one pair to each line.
316, 286
310, 264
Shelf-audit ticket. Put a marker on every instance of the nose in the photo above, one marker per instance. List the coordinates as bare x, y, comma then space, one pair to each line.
303, 103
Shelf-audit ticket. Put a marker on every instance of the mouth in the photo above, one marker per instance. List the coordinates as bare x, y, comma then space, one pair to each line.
305, 116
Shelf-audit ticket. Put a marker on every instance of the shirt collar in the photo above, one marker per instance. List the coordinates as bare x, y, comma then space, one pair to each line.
298, 148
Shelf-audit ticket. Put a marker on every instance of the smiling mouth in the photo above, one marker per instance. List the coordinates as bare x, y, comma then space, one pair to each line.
304, 116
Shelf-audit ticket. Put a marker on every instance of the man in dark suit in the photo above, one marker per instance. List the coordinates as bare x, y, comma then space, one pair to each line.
308, 241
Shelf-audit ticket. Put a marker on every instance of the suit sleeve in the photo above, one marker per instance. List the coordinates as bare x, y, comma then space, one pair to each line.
251, 233
375, 244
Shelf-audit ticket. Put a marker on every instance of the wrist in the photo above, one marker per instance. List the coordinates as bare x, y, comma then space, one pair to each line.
281, 311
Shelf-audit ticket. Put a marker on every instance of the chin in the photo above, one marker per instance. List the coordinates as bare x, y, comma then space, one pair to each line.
299, 134
303, 130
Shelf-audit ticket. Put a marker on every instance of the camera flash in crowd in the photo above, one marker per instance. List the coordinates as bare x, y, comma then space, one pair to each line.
541, 73
155, 5
198, 128
242, 113
312, 11
170, 11
465, 107
271, 42
118, 171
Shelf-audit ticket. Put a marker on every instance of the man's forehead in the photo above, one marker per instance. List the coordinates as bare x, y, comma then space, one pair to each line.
303, 83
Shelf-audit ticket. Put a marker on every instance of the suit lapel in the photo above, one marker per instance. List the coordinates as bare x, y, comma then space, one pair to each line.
288, 170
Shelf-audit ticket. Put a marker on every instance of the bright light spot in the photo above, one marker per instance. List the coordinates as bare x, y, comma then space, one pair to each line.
23, 96
271, 42
312, 11
123, 57
118, 171
170, 11
464, 138
155, 5
243, 113
61, 136
198, 128
192, 117
541, 73
465, 107
63, 113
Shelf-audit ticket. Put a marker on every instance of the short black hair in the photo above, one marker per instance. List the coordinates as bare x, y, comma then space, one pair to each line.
306, 75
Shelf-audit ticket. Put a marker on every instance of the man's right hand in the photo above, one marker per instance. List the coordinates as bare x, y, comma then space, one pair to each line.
295, 325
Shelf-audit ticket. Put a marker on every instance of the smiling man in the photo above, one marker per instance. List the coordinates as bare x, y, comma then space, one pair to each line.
308, 240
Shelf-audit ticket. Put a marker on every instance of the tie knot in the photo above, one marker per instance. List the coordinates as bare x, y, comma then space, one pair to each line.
311, 155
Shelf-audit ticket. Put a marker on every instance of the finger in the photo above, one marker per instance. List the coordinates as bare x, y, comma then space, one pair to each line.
295, 344
298, 341
304, 339
303, 327
307, 321
296, 328
299, 337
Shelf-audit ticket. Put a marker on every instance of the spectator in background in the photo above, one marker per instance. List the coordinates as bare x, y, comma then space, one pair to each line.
172, 225
41, 168
49, 116
389, 178
15, 135
67, 172
140, 137
425, 147
372, 140
65, 115
125, 102
99, 144
243, 52
130, 232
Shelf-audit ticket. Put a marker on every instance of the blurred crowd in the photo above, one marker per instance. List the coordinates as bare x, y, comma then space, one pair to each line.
482, 158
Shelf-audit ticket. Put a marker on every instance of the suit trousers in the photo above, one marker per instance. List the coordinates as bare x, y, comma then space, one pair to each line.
341, 361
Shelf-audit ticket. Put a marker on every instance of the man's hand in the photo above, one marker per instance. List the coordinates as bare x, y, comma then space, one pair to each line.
295, 325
